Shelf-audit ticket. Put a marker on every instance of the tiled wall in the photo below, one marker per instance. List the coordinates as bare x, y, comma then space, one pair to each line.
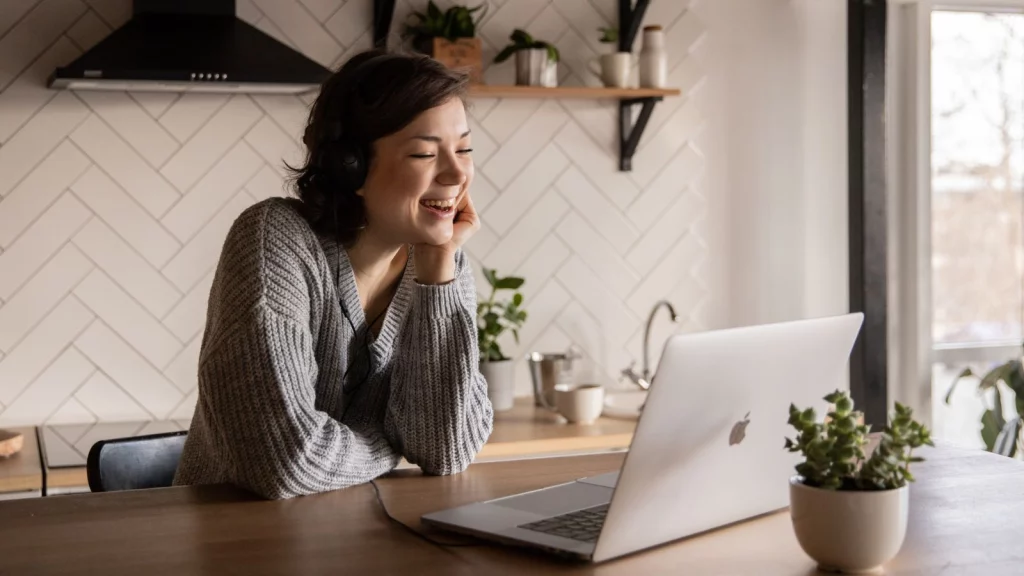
113, 205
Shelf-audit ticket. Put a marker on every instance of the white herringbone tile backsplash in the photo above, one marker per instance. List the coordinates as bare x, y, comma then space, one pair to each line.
114, 205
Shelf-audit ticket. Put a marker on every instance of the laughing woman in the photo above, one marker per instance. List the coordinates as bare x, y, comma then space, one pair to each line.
340, 333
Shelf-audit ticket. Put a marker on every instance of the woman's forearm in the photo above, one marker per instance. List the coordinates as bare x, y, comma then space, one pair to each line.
439, 415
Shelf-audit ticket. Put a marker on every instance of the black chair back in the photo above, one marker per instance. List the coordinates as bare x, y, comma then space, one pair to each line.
134, 463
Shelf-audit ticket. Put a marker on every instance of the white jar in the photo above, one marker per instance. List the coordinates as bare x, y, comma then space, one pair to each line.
653, 60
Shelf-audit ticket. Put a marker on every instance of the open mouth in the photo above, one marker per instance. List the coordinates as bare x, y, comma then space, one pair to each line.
439, 207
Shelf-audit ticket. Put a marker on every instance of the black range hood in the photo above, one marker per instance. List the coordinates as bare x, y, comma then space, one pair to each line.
190, 46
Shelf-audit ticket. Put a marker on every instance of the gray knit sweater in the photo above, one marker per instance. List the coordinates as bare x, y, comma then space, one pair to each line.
293, 401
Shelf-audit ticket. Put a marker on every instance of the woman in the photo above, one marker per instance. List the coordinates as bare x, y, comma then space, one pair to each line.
340, 334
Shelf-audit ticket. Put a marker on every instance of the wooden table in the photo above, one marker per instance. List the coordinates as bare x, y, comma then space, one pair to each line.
522, 432
21, 475
967, 516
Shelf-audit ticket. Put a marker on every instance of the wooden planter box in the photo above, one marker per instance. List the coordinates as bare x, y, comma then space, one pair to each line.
464, 54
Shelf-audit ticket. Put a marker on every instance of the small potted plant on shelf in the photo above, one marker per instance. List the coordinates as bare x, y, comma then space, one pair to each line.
849, 512
494, 317
450, 37
614, 66
1000, 435
536, 60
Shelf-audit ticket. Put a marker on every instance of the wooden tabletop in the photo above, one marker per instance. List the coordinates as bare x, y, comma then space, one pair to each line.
22, 472
522, 432
966, 518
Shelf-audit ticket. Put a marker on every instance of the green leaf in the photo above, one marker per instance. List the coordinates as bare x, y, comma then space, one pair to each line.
552, 52
505, 53
510, 283
990, 429
517, 300
1013, 378
515, 334
491, 276
609, 35
521, 38
433, 11
963, 374
994, 376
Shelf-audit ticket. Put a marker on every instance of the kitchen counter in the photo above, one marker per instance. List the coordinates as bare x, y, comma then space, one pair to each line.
21, 474
522, 432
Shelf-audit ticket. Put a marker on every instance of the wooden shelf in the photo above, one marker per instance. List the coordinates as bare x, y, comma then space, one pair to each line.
501, 91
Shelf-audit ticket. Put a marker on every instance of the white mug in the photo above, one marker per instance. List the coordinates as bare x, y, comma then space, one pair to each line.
615, 68
579, 403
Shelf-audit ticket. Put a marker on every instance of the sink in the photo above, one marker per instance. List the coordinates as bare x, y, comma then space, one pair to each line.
625, 404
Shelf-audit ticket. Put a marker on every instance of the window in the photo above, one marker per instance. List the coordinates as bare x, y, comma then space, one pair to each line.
977, 212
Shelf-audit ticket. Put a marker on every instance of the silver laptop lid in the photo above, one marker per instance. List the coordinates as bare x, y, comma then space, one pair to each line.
708, 449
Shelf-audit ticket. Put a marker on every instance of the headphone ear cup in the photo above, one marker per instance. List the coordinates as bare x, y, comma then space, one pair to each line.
354, 165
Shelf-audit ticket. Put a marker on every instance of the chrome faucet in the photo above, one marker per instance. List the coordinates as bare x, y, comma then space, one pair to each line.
643, 380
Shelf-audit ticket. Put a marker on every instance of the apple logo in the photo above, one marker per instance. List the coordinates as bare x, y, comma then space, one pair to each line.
739, 430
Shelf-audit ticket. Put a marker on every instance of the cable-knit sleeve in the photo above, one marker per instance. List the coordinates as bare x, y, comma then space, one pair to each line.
439, 415
256, 423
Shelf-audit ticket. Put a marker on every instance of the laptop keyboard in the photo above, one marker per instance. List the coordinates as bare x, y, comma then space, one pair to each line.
583, 525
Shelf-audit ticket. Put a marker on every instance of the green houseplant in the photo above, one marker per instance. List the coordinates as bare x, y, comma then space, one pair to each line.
452, 24
1000, 435
536, 60
610, 37
849, 510
449, 36
494, 318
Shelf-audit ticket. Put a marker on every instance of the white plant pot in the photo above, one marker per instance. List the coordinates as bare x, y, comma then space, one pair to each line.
534, 68
501, 383
853, 532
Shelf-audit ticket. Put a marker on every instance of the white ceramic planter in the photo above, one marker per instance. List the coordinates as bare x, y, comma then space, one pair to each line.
853, 532
501, 383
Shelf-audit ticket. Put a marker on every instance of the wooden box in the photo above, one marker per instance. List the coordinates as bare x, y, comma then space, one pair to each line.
464, 54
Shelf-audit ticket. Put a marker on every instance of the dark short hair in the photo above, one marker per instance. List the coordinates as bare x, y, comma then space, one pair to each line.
374, 94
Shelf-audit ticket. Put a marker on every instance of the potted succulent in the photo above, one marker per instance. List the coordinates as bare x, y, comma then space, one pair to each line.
536, 60
494, 317
450, 36
613, 67
1000, 435
849, 511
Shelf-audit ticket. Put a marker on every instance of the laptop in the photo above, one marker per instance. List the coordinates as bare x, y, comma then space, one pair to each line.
707, 450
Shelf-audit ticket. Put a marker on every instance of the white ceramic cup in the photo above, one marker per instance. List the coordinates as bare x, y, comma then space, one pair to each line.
579, 403
615, 69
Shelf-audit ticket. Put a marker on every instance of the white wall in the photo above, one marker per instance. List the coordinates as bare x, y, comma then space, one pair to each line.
113, 206
778, 156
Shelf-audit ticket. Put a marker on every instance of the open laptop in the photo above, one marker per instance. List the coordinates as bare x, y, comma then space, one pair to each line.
707, 450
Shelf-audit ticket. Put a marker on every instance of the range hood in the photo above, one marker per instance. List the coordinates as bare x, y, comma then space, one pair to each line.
190, 46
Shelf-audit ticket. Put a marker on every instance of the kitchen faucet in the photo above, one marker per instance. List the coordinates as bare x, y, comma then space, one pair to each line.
644, 379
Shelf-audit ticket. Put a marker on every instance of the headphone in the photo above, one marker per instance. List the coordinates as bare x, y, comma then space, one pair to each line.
353, 157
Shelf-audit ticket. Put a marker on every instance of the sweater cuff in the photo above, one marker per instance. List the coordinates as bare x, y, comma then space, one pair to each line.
439, 300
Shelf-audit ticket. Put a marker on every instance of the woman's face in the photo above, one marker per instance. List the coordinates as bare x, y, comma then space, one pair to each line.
418, 176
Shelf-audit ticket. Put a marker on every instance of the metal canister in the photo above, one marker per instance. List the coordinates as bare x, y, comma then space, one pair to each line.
548, 369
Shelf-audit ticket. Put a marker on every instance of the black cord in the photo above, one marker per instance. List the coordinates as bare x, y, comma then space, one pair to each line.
409, 528
366, 350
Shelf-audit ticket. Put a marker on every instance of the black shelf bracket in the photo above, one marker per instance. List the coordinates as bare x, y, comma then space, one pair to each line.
630, 17
629, 136
383, 12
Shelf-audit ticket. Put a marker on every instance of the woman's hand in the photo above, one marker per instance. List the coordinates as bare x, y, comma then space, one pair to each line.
435, 264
